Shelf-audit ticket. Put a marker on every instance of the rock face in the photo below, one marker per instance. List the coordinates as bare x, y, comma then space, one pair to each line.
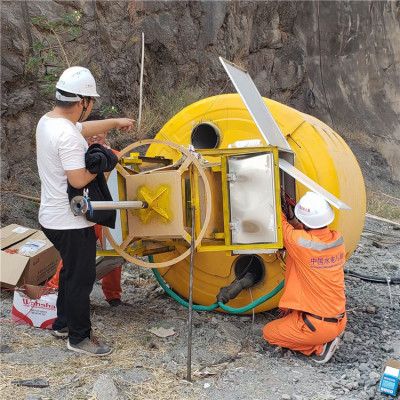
346, 52
352, 60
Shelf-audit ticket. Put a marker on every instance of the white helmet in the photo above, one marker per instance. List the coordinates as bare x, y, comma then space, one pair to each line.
314, 211
76, 80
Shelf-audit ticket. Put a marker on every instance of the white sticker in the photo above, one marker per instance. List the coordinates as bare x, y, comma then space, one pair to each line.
392, 371
31, 247
20, 229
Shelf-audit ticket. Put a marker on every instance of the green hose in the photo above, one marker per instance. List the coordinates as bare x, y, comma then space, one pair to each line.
212, 307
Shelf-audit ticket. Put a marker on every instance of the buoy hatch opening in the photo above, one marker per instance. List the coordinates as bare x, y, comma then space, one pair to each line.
250, 264
205, 135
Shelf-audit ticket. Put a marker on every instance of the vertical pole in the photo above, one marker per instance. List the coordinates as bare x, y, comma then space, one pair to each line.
141, 84
189, 358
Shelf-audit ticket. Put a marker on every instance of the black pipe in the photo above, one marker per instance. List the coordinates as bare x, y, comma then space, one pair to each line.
227, 293
377, 279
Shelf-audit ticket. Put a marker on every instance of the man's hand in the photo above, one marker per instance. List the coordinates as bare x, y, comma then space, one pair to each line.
124, 124
291, 217
290, 213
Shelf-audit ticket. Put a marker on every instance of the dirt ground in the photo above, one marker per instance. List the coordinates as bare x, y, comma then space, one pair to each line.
230, 359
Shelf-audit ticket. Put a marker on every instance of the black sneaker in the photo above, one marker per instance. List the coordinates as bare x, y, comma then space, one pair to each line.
115, 303
90, 347
60, 333
327, 352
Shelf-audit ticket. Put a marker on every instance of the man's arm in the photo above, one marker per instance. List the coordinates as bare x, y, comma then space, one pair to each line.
291, 233
78, 178
92, 128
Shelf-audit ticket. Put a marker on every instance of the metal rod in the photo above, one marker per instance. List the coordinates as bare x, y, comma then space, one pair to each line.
189, 359
141, 84
80, 205
118, 205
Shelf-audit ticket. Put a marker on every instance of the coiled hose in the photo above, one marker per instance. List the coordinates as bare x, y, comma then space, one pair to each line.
214, 306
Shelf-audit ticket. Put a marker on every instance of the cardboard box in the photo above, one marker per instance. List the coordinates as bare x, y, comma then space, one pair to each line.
105, 265
37, 263
35, 306
390, 378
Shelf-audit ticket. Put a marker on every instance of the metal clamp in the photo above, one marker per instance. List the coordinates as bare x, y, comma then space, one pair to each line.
231, 177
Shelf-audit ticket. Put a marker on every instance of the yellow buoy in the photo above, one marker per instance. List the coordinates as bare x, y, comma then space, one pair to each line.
320, 153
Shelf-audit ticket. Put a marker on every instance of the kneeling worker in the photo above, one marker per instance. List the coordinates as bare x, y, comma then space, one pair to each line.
314, 282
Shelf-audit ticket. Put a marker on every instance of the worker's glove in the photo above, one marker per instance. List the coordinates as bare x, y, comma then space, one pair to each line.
290, 215
284, 205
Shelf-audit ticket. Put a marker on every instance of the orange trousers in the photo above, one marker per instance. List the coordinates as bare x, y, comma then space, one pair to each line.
111, 283
292, 333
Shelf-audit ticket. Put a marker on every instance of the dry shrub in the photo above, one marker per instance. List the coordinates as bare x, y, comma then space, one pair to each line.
383, 205
351, 132
158, 109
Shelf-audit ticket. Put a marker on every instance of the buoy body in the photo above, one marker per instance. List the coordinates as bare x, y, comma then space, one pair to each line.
320, 153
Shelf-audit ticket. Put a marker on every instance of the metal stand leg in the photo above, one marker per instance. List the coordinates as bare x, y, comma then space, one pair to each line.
189, 358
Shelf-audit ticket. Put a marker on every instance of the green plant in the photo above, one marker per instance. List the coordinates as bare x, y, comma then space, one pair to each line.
108, 111
48, 54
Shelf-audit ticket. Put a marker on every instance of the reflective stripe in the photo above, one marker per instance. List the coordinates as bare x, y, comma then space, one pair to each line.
309, 244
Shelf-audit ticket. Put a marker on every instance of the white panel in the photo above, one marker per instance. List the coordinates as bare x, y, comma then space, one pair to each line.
306, 181
252, 251
116, 233
255, 104
252, 199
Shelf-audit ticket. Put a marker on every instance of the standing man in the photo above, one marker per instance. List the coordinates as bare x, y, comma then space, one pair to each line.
61, 148
111, 283
314, 282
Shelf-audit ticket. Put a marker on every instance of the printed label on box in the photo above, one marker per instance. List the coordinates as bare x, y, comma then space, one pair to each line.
40, 313
390, 381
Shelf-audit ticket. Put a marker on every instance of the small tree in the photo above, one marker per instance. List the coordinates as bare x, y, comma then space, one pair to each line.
49, 55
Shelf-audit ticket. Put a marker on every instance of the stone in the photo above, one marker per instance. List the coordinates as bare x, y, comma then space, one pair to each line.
370, 309
233, 331
374, 377
348, 337
105, 389
5, 349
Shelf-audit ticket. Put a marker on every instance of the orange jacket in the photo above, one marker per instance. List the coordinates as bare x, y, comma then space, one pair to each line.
314, 280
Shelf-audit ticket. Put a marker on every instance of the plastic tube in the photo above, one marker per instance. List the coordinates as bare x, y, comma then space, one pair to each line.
214, 306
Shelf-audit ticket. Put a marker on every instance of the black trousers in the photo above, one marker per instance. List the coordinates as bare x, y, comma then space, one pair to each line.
77, 248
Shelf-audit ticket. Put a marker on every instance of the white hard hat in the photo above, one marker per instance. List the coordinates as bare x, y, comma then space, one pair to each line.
77, 80
314, 211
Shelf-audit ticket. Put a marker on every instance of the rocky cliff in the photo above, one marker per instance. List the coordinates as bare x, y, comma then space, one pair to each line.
335, 60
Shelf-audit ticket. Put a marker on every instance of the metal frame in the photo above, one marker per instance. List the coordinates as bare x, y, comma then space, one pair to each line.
226, 235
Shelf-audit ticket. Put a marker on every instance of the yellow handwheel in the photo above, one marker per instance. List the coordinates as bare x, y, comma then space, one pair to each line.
190, 160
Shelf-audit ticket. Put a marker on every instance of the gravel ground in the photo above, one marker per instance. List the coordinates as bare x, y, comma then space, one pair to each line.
230, 360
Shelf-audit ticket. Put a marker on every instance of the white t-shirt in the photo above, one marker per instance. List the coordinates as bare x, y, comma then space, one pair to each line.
60, 147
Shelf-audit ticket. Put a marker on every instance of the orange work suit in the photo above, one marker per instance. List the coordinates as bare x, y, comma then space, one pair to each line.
111, 283
314, 283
